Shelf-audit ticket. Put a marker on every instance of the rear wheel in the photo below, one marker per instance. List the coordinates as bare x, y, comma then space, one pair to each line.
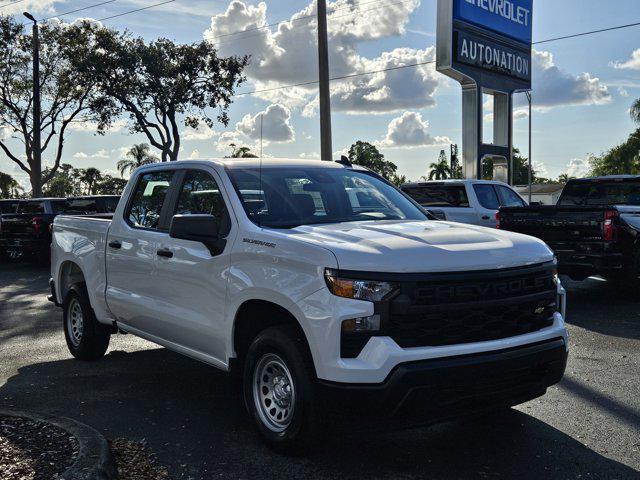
87, 339
278, 385
13, 254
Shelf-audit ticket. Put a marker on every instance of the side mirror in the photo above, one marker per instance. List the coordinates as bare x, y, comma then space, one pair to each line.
198, 228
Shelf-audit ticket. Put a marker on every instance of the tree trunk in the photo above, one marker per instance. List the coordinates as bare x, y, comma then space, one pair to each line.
35, 178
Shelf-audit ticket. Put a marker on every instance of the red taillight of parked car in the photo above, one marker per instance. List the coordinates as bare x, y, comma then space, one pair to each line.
36, 223
609, 226
497, 219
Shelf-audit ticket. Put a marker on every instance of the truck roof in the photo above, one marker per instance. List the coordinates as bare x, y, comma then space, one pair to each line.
265, 162
606, 177
454, 181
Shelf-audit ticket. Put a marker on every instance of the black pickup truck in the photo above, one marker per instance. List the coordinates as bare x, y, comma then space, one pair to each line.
594, 228
24, 230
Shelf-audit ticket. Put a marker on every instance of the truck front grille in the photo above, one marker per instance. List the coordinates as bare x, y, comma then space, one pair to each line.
460, 308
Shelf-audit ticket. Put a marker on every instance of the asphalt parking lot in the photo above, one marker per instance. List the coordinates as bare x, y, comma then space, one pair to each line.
586, 427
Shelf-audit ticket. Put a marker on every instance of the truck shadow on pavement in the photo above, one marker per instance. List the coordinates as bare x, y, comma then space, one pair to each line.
603, 307
189, 415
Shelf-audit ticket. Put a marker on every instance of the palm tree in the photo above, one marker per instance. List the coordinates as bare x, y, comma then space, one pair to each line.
241, 152
635, 111
564, 178
137, 156
90, 177
440, 170
9, 186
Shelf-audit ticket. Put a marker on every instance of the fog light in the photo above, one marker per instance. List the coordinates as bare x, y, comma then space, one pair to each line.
361, 324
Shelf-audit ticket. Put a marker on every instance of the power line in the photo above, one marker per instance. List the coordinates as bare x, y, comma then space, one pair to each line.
11, 3
135, 11
619, 27
342, 77
78, 10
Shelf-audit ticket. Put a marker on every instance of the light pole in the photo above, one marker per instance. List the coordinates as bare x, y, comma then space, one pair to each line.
530, 99
326, 149
36, 142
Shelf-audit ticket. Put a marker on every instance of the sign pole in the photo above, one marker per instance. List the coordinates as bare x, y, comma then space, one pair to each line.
326, 149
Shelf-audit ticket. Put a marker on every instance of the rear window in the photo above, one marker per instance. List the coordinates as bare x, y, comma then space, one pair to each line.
31, 207
81, 207
439, 195
600, 193
8, 207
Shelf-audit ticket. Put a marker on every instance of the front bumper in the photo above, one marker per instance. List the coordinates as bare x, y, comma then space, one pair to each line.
434, 390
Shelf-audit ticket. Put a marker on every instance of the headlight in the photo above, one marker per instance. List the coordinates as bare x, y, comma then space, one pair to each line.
369, 290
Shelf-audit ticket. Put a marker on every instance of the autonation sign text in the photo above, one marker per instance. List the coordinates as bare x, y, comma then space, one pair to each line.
512, 18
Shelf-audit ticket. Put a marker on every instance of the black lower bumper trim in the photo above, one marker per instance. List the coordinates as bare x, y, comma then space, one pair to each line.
434, 390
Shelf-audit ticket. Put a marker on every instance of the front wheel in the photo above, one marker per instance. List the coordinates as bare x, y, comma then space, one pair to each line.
278, 385
87, 339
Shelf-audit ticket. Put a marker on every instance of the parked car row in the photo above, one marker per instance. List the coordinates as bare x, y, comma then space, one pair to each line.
25, 224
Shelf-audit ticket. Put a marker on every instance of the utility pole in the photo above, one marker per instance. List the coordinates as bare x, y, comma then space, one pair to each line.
36, 141
530, 99
326, 148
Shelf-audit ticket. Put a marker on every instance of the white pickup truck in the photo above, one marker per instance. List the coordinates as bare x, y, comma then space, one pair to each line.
475, 202
321, 285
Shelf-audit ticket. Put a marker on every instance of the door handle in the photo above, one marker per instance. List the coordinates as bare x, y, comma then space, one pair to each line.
486, 217
115, 245
165, 253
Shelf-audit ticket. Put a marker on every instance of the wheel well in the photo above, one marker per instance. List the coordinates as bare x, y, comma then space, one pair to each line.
255, 316
70, 273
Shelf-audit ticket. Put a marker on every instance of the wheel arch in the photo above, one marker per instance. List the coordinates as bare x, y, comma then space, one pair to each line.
69, 273
256, 315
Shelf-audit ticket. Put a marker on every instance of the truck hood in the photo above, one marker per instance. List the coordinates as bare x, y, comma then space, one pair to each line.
423, 246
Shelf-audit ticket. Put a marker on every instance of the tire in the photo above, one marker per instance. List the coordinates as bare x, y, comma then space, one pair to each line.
86, 338
279, 385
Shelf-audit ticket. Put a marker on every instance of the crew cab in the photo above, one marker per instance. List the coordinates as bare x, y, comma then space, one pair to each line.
25, 231
314, 297
475, 202
594, 228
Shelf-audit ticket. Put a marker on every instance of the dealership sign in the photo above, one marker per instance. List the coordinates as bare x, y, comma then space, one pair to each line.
511, 18
486, 41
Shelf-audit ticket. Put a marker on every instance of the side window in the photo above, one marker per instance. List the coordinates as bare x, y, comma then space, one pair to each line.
439, 195
148, 198
110, 204
487, 196
509, 198
200, 195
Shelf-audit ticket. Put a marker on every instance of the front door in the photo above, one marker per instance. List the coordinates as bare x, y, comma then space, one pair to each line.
191, 284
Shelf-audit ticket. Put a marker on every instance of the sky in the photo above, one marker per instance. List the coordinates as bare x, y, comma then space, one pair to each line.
582, 87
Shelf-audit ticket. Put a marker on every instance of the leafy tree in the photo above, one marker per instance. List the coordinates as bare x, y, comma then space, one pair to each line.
110, 185
635, 111
90, 177
137, 156
619, 160
564, 178
9, 186
367, 155
66, 93
240, 152
161, 85
63, 183
399, 180
440, 170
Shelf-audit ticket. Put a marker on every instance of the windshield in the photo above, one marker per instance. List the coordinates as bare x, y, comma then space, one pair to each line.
289, 197
601, 193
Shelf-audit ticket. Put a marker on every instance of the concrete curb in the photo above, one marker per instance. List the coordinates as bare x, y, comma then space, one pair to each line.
94, 461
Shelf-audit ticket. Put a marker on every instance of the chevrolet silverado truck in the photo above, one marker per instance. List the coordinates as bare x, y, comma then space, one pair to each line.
318, 285
593, 230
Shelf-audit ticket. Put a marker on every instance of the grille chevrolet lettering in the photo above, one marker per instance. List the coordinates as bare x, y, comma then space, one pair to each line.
487, 289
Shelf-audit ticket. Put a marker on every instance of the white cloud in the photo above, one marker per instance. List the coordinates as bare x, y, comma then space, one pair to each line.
310, 155
623, 92
520, 114
5, 132
553, 87
276, 126
578, 167
102, 154
11, 7
410, 131
202, 132
632, 64
283, 56
195, 154
540, 169
82, 125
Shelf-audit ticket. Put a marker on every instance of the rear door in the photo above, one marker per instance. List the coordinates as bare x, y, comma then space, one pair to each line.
191, 284
450, 199
487, 204
131, 255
